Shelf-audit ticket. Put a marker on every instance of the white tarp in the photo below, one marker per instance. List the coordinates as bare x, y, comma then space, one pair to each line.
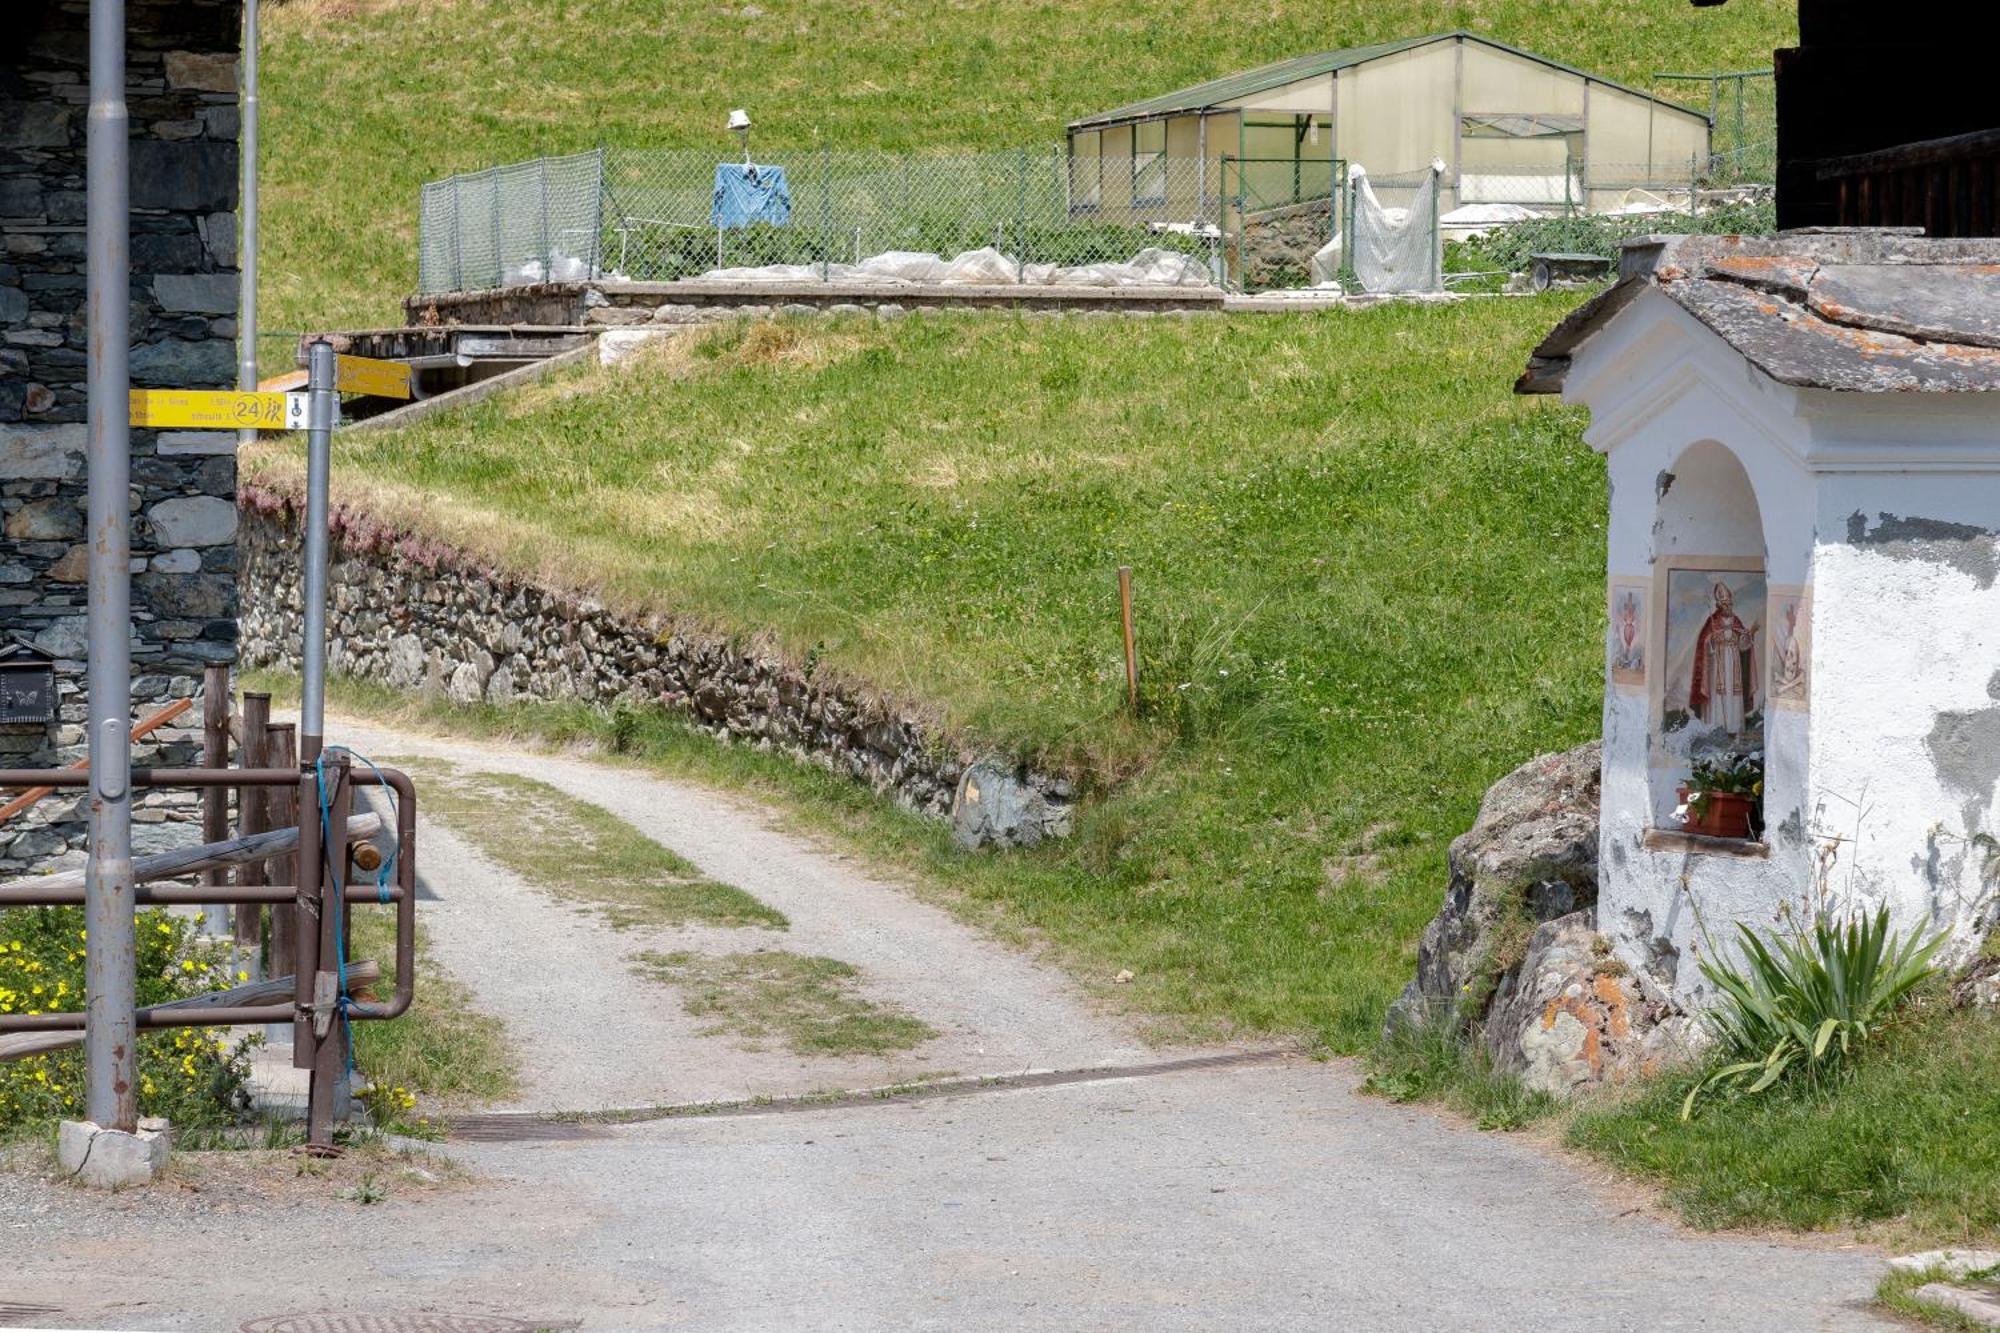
1151, 267
1397, 249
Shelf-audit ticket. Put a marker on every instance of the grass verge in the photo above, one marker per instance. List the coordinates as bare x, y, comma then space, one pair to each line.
578, 851
809, 1004
1897, 1293
1903, 1147
446, 1050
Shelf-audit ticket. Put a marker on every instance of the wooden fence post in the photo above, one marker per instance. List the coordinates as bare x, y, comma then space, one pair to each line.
253, 815
215, 710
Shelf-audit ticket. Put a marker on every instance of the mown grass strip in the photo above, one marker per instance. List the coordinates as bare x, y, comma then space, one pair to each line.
809, 1005
578, 851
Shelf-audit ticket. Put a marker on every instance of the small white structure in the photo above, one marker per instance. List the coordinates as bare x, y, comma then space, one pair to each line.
1803, 438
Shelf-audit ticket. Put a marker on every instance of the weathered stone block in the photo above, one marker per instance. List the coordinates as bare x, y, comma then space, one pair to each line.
197, 176
201, 71
109, 1158
45, 521
204, 293
179, 364
51, 452
174, 442
193, 520
35, 124
20, 197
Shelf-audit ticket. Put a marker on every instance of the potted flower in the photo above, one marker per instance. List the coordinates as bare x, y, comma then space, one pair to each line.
1723, 797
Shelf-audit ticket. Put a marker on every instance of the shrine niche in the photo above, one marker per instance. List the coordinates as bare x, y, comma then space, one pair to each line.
1802, 635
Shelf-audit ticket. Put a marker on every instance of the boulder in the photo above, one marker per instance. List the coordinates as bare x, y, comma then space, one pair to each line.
1530, 857
1572, 1016
1513, 960
994, 807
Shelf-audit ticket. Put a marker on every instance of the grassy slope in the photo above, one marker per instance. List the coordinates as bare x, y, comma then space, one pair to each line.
366, 99
1373, 570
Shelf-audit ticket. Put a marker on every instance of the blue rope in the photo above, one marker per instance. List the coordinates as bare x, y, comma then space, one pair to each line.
336, 866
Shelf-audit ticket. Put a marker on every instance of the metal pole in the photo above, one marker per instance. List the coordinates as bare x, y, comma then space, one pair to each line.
246, 246
111, 1089
319, 448
825, 213
1021, 213
325, 1098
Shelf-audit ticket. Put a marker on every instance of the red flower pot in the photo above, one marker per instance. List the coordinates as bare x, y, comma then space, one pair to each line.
1724, 814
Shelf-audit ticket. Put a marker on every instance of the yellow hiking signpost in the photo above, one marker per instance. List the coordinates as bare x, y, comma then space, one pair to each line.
362, 374
225, 409
201, 409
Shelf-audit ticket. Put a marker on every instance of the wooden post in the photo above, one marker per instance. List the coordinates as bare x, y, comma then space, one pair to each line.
253, 815
282, 751
1131, 644
215, 710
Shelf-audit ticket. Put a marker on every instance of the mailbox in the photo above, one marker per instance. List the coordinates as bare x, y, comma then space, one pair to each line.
27, 685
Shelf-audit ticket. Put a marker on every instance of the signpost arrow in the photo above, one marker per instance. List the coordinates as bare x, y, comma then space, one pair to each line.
364, 374
202, 409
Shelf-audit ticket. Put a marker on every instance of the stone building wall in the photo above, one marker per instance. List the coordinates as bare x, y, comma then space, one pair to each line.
412, 614
181, 94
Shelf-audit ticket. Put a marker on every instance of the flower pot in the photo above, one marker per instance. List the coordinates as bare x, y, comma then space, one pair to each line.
1724, 814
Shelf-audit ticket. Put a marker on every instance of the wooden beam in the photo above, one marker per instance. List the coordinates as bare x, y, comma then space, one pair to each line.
190, 860
277, 990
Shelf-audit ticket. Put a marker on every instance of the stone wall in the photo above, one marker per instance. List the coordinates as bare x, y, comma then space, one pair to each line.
1279, 243
415, 615
182, 98
612, 302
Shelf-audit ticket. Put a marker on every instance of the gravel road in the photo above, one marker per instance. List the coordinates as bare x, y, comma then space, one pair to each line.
1267, 1196
594, 1036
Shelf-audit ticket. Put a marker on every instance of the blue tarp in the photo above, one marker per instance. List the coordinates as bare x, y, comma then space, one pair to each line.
746, 193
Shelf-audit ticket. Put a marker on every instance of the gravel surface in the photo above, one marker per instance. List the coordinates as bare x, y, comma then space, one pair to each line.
1264, 1196
595, 1036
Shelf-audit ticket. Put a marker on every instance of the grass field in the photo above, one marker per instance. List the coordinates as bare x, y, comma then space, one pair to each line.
1367, 585
366, 99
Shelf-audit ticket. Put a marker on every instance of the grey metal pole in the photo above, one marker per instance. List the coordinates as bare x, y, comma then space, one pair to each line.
111, 1081
320, 405
246, 246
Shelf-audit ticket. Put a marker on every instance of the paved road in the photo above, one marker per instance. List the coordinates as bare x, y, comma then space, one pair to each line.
1266, 1196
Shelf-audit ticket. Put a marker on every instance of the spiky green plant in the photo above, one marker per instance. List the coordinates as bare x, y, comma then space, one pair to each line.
1799, 1006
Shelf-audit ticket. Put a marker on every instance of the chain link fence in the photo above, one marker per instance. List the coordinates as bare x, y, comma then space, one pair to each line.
1743, 108
1026, 216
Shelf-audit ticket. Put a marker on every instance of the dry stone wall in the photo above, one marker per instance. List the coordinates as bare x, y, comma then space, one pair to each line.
410, 613
181, 95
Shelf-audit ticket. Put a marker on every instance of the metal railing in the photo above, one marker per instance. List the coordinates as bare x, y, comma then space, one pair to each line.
1022, 216
309, 929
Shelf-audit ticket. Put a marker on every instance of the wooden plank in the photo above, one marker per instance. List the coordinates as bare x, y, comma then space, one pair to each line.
277, 990
191, 860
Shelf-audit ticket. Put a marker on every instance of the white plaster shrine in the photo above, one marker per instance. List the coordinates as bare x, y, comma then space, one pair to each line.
1803, 439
